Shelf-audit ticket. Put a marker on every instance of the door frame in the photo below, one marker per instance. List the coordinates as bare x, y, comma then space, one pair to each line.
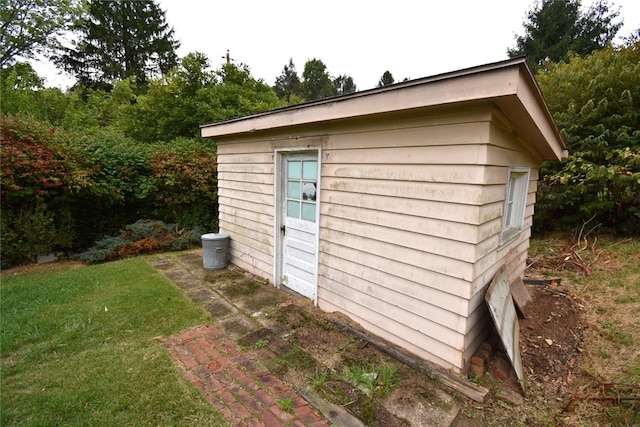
278, 214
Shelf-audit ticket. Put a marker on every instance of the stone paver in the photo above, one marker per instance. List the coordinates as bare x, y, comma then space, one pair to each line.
246, 394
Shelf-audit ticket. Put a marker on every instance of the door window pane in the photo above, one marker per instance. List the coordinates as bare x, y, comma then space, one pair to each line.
309, 212
310, 170
293, 189
293, 170
301, 189
293, 209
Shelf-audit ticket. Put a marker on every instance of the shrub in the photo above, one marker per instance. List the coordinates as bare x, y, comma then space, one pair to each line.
596, 104
34, 160
62, 190
142, 237
26, 234
185, 179
38, 176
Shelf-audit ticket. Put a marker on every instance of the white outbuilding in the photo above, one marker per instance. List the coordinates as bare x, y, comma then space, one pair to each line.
395, 206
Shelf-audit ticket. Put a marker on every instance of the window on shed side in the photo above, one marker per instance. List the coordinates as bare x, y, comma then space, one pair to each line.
515, 203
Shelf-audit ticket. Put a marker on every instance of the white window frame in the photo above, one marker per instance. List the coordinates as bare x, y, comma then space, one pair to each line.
515, 203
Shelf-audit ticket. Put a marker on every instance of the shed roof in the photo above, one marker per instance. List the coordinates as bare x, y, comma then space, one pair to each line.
509, 85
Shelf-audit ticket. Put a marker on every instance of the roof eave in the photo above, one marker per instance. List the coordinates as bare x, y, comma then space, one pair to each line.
510, 84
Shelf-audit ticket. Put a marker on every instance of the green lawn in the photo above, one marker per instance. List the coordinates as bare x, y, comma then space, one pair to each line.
83, 346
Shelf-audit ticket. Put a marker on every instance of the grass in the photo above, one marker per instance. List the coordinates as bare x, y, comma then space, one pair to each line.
83, 346
318, 381
286, 405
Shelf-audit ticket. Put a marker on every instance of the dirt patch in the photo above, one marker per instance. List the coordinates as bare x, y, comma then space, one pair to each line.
551, 338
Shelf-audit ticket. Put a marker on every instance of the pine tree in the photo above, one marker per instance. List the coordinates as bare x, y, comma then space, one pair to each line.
121, 39
317, 83
554, 28
386, 79
288, 83
344, 84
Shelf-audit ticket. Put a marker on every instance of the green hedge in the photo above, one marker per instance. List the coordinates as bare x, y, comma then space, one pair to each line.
64, 190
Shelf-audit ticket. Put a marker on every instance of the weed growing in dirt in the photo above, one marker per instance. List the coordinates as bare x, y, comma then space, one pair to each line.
263, 343
387, 378
363, 378
374, 382
371, 380
318, 380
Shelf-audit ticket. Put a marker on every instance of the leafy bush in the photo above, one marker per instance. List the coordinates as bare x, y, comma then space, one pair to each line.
26, 234
39, 176
185, 182
122, 188
61, 190
596, 104
34, 160
142, 237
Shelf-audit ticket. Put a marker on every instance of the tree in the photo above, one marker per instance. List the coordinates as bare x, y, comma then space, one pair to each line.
238, 94
121, 39
22, 91
177, 104
173, 105
31, 27
595, 102
386, 79
344, 84
317, 83
288, 83
554, 28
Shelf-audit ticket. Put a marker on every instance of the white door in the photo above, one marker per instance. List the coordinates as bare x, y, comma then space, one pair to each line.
299, 222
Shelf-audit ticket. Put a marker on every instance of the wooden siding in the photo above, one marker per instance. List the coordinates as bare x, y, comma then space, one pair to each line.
410, 222
507, 151
245, 194
399, 229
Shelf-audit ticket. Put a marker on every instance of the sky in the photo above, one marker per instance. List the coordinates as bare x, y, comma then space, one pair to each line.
363, 39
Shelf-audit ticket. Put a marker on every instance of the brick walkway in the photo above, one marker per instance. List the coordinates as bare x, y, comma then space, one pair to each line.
246, 394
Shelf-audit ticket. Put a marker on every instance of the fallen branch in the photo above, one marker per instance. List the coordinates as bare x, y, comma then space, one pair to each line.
584, 267
542, 281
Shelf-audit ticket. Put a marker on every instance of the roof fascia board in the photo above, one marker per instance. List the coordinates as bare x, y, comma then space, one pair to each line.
509, 84
421, 94
531, 118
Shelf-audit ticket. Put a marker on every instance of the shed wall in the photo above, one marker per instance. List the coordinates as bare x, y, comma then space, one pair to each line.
246, 197
410, 221
401, 210
504, 151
